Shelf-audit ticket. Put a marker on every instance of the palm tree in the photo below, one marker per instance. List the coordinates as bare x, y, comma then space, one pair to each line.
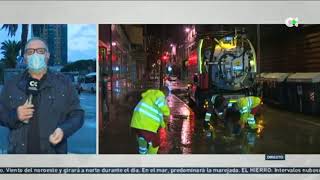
10, 51
12, 29
24, 37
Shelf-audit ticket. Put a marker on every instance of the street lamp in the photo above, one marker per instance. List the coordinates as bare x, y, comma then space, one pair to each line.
187, 29
114, 43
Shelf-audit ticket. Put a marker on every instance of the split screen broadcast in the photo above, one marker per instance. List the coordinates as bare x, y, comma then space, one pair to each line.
160, 88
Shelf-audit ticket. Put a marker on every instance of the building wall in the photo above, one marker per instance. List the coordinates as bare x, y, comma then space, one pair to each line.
129, 49
121, 50
138, 58
135, 33
286, 49
56, 36
183, 52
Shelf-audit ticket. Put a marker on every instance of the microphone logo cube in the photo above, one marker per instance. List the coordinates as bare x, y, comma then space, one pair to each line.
33, 83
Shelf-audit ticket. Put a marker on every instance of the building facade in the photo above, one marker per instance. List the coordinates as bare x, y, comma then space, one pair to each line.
56, 35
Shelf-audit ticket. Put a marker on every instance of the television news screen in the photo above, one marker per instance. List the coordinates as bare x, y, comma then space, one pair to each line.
159, 89
225, 58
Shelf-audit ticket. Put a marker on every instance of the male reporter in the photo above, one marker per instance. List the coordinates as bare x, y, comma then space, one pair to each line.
41, 108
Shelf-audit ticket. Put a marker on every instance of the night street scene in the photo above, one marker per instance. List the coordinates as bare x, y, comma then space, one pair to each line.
72, 51
233, 89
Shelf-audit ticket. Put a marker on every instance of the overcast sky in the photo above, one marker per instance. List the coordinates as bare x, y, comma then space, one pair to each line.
82, 40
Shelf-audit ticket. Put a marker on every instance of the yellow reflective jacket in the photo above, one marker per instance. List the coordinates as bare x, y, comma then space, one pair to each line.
245, 105
148, 113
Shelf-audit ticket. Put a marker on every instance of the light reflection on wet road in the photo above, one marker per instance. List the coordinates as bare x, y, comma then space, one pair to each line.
279, 131
177, 138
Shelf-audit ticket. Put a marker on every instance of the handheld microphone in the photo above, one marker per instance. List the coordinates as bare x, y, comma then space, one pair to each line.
32, 90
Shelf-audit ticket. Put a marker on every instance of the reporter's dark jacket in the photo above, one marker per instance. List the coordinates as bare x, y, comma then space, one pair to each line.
59, 106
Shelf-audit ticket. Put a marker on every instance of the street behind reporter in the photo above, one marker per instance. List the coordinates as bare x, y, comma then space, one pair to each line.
40, 120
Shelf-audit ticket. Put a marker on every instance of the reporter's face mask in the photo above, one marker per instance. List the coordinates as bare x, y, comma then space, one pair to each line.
36, 62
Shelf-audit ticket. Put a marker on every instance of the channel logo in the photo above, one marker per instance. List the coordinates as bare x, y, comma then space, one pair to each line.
290, 22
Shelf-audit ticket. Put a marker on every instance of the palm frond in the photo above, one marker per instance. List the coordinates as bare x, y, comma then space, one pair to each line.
11, 28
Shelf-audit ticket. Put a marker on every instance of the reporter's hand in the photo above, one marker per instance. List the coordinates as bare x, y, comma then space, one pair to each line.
25, 112
56, 137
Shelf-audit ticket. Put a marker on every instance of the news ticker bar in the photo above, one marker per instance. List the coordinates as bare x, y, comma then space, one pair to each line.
160, 170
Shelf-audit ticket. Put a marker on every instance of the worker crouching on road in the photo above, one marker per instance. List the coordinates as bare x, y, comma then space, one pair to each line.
249, 107
215, 114
216, 110
235, 115
148, 118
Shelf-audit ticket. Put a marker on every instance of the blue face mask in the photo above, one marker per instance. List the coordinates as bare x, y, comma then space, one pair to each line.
36, 62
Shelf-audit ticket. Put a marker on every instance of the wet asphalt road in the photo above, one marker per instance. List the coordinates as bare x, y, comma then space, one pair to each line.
84, 140
178, 137
279, 131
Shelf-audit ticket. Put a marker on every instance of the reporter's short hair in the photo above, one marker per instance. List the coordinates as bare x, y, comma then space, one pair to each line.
36, 39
